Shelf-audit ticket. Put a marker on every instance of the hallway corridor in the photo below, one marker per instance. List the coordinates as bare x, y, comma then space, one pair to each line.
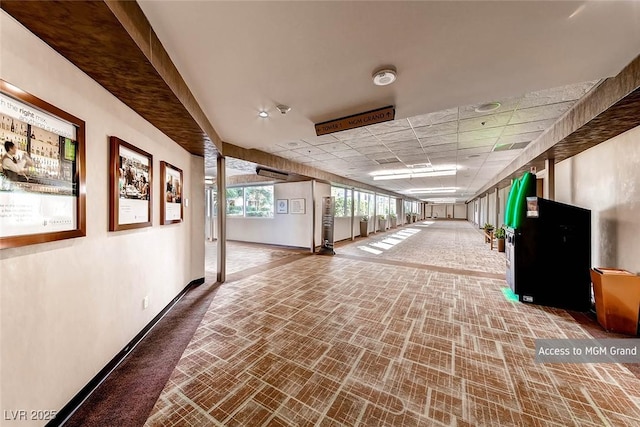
405, 328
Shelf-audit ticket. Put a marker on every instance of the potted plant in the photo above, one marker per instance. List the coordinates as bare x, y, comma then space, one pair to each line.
394, 220
488, 229
408, 218
382, 222
500, 235
364, 226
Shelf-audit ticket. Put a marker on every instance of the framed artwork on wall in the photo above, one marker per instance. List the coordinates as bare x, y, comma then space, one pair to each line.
130, 191
42, 177
297, 206
171, 192
282, 206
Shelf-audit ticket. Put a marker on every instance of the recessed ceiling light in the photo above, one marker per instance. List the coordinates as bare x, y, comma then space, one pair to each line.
489, 106
263, 114
384, 77
292, 144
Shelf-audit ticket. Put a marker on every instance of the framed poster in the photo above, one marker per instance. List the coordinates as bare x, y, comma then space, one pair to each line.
130, 194
171, 194
282, 206
297, 206
42, 178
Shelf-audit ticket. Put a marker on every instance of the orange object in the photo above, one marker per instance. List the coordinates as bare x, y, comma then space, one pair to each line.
617, 294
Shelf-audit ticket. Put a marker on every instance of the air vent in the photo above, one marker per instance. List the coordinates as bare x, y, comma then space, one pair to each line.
387, 161
272, 174
516, 146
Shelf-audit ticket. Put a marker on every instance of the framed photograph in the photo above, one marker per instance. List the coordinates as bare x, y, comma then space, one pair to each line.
297, 206
282, 206
130, 191
42, 178
171, 192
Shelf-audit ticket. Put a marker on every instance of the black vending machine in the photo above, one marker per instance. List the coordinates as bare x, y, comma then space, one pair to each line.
549, 255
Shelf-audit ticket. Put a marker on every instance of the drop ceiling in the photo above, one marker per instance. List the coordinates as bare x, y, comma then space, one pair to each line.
536, 58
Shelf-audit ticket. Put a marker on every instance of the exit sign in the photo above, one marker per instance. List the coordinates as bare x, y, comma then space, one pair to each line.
380, 115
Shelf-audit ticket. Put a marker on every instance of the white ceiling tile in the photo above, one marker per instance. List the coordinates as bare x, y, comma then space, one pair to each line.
324, 156
400, 136
440, 139
540, 113
322, 139
556, 95
485, 122
409, 152
444, 116
535, 126
352, 134
479, 134
347, 153
506, 105
523, 137
436, 130
334, 146
365, 141
373, 149
440, 148
476, 150
391, 126
478, 143
308, 151
403, 145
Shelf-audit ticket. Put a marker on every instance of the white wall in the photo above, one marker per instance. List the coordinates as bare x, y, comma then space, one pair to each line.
283, 229
68, 307
460, 211
606, 180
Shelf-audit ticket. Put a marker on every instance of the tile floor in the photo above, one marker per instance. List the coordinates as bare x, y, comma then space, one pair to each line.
419, 334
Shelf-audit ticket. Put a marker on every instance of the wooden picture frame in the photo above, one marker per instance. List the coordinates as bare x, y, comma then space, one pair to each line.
282, 206
130, 189
45, 199
171, 194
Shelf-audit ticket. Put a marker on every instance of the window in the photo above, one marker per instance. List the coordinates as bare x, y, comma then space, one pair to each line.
259, 201
339, 197
235, 201
382, 205
392, 206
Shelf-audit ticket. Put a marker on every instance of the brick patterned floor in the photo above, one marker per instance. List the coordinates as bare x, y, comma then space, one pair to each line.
419, 334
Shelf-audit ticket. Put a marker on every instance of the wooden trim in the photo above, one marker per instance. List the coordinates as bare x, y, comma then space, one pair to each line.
163, 199
114, 194
81, 225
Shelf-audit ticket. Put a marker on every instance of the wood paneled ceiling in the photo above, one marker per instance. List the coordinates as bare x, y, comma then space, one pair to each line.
89, 35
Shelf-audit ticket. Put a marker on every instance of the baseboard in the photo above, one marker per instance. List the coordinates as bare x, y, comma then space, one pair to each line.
63, 414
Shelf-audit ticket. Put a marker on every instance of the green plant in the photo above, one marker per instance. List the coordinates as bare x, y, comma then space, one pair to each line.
488, 227
499, 234
392, 216
364, 218
382, 217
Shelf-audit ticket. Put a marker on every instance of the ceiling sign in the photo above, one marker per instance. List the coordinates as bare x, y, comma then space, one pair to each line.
357, 120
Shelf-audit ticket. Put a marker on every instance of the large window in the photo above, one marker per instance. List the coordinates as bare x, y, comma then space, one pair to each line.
235, 201
382, 205
251, 202
364, 203
343, 201
259, 201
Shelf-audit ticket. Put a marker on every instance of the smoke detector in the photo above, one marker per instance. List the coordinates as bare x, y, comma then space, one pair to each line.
384, 76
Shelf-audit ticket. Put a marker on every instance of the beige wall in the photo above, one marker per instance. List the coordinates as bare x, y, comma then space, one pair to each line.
68, 307
606, 180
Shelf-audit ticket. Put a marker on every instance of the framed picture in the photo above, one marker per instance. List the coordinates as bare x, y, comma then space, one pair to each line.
42, 178
282, 206
130, 190
171, 194
297, 206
